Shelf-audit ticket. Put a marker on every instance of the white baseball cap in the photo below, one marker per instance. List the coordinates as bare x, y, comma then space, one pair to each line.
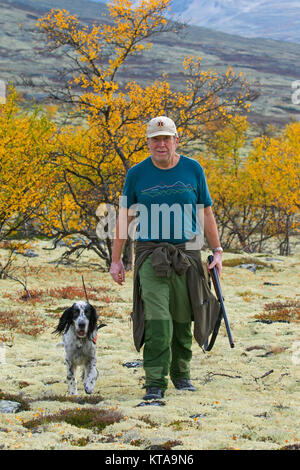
161, 125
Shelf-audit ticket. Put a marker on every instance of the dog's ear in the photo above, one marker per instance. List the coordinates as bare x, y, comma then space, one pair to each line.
64, 321
93, 320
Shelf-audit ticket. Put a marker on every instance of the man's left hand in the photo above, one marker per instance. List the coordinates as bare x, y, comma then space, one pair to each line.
217, 261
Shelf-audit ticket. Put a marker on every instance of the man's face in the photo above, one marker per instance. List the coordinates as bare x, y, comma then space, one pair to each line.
163, 149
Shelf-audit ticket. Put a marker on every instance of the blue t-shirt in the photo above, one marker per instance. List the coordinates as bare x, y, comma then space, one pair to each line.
166, 201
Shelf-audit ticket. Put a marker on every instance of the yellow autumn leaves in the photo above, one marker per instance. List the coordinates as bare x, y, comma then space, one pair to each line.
25, 174
255, 188
61, 174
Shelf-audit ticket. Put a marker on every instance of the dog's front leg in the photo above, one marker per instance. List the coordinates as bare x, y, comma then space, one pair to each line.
91, 377
71, 378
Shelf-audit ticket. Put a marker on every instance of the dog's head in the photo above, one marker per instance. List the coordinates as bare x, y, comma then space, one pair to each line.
82, 316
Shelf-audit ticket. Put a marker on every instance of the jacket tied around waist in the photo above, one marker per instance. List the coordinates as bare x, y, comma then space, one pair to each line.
165, 258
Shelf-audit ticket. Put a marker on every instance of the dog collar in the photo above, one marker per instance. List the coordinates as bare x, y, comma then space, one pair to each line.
95, 338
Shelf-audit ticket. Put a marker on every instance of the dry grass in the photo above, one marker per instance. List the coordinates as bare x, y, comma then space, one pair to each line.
246, 398
287, 311
23, 322
67, 292
233, 262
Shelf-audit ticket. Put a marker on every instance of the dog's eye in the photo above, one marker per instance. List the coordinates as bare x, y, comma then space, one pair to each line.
75, 313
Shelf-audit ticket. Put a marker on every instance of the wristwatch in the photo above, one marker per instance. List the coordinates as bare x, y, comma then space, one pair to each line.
218, 249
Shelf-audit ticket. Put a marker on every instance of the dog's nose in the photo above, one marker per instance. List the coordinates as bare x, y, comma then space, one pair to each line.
81, 324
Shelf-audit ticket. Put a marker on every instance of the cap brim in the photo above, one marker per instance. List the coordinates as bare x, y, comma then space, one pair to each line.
154, 134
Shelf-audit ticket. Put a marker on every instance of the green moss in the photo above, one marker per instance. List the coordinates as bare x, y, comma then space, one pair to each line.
177, 425
81, 442
169, 444
231, 263
136, 443
90, 418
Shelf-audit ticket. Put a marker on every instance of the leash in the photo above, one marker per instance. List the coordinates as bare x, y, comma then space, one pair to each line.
86, 296
87, 299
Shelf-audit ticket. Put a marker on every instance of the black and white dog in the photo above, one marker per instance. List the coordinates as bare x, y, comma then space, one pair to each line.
78, 324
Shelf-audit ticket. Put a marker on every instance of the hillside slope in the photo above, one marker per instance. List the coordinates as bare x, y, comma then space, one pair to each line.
272, 19
269, 19
272, 64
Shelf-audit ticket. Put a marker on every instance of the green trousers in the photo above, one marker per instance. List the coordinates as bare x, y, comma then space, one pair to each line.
168, 335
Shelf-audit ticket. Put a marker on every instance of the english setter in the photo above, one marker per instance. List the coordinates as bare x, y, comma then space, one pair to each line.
78, 324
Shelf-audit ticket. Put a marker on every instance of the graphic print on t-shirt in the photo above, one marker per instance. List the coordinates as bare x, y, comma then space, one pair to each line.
177, 188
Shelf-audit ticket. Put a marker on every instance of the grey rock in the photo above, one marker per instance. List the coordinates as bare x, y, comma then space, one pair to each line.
251, 267
133, 364
30, 254
7, 406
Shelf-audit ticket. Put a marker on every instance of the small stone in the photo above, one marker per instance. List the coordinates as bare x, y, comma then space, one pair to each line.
30, 254
133, 364
251, 267
7, 406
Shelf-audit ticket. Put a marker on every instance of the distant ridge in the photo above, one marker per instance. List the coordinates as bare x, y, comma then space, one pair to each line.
274, 64
269, 19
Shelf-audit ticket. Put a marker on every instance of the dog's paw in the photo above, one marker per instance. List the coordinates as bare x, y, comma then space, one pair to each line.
72, 387
88, 388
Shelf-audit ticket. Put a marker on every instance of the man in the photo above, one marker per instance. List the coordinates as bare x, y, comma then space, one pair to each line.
170, 194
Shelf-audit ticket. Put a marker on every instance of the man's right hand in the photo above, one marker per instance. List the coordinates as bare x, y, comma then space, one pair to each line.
117, 272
